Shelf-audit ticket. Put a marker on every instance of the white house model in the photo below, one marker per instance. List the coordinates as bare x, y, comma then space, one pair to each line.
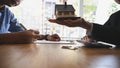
64, 10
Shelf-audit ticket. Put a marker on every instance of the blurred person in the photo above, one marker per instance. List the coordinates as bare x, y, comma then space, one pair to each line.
12, 32
109, 32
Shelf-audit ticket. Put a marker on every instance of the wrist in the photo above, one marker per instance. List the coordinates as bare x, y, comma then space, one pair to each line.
88, 26
85, 24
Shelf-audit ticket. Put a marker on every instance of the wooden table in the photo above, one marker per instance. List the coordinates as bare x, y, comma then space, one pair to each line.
53, 56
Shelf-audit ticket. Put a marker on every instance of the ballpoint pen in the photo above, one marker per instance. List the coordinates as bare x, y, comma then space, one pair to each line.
23, 26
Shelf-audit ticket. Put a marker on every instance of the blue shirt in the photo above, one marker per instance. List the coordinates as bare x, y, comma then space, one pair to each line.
8, 22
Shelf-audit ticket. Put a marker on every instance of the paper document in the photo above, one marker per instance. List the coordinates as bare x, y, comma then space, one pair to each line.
53, 42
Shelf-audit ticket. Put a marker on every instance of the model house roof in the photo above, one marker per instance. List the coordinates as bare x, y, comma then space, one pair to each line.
64, 8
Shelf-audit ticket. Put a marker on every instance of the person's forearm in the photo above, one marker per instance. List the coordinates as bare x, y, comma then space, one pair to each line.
85, 24
88, 26
15, 37
7, 38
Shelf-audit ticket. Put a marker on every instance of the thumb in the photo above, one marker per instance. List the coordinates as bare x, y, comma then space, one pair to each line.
52, 20
36, 36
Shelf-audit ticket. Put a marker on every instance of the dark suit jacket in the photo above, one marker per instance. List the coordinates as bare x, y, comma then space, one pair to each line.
109, 32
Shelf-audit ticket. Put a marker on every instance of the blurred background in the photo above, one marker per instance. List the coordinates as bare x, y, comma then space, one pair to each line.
33, 14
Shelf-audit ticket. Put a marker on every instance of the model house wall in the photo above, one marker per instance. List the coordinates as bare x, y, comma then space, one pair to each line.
64, 10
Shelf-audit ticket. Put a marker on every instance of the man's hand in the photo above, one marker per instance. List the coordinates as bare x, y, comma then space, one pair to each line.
27, 36
87, 39
73, 23
53, 37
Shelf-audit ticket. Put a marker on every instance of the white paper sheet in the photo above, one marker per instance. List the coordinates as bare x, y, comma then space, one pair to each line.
53, 42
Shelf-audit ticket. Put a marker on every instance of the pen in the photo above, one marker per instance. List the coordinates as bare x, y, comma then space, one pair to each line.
23, 26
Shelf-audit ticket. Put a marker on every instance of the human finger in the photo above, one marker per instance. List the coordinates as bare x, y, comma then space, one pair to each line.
57, 21
41, 37
53, 37
52, 20
85, 38
56, 37
37, 36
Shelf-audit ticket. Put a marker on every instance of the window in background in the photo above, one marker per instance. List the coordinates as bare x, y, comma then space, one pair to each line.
98, 11
34, 13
